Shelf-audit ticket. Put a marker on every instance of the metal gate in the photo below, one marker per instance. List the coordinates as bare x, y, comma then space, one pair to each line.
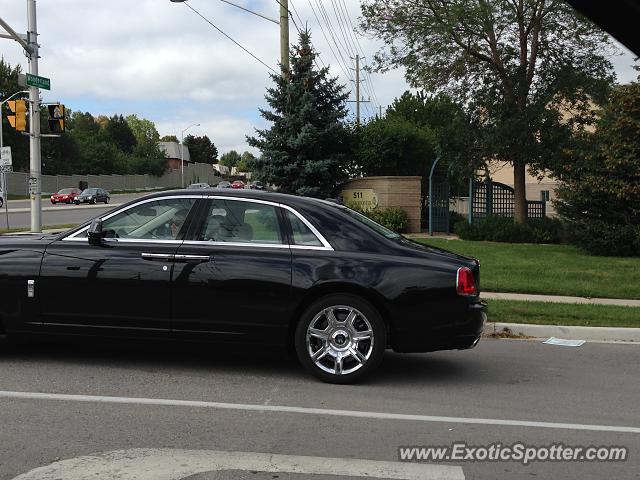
439, 197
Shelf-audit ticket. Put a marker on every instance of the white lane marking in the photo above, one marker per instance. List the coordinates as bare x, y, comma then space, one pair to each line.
314, 411
170, 464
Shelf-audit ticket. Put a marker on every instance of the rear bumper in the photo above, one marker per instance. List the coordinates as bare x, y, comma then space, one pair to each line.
463, 333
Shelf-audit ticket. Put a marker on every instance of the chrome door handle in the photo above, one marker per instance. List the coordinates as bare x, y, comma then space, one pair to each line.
157, 256
192, 258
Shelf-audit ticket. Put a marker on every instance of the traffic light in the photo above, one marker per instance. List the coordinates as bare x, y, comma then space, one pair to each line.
56, 118
19, 119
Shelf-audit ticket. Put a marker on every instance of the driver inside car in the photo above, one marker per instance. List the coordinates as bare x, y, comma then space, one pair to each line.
175, 223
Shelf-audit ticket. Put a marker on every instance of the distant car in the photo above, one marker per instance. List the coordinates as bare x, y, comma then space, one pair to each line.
198, 185
223, 184
256, 186
93, 196
66, 195
238, 184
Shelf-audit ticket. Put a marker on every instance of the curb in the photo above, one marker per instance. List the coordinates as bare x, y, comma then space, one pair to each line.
598, 334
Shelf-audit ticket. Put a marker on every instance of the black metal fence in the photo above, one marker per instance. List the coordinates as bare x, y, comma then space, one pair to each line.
497, 199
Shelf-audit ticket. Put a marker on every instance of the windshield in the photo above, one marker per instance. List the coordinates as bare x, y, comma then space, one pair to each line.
66, 190
90, 191
370, 223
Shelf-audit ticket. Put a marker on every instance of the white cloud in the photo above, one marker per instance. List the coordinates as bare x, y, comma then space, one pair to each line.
161, 61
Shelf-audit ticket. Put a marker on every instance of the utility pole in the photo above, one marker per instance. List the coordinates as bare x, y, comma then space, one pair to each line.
358, 89
35, 162
359, 100
30, 45
284, 36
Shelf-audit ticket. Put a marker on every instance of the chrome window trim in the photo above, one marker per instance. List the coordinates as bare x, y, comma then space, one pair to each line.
235, 244
325, 244
74, 237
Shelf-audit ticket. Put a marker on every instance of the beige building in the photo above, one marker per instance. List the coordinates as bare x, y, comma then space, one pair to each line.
502, 172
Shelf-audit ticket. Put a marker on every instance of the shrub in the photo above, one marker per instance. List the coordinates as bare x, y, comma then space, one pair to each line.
501, 229
393, 218
604, 238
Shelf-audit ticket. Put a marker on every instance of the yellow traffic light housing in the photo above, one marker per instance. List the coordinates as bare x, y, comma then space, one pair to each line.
19, 119
56, 118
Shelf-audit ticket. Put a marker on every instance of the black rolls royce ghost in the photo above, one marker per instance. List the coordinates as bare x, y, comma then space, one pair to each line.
294, 271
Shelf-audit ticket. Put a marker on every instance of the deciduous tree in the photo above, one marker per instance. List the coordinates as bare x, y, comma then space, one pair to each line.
508, 61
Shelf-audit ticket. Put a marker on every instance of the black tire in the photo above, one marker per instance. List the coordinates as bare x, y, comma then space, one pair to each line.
93, 201
325, 368
106, 200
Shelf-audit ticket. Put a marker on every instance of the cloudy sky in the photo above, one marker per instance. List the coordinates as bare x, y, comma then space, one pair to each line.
161, 61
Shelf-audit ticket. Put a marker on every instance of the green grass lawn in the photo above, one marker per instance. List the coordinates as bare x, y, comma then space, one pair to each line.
563, 314
548, 269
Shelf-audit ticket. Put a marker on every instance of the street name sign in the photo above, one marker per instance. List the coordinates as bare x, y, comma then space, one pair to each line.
39, 82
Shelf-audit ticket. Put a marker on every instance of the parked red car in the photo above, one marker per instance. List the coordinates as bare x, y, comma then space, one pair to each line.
239, 184
66, 195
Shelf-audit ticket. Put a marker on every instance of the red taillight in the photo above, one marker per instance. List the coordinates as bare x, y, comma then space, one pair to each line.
465, 282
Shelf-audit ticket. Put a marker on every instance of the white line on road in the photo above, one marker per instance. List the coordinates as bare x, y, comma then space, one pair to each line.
171, 464
313, 411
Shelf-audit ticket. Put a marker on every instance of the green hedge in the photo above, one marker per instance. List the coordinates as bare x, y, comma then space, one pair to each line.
500, 229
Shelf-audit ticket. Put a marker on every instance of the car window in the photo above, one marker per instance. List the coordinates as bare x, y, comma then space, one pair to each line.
238, 221
158, 220
66, 190
302, 235
370, 223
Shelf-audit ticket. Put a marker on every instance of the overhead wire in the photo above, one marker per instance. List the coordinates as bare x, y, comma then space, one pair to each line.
229, 37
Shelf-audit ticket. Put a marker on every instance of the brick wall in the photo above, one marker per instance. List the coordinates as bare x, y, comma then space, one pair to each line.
402, 192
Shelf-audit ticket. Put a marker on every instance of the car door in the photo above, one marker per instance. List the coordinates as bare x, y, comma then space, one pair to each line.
232, 276
122, 285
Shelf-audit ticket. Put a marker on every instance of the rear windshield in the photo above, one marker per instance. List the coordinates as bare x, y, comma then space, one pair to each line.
370, 223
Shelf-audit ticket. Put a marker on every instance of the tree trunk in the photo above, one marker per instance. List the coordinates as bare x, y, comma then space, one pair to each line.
519, 184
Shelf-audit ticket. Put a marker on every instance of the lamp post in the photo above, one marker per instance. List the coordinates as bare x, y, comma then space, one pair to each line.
182, 152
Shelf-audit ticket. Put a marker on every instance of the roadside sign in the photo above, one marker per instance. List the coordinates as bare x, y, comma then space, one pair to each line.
33, 186
5, 157
363, 198
38, 81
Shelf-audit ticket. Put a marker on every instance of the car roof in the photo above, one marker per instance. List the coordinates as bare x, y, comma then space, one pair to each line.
249, 194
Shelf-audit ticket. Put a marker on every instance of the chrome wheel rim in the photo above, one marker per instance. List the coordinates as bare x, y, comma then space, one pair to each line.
340, 340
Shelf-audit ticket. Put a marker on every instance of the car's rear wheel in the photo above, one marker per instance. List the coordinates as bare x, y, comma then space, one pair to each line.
106, 200
340, 338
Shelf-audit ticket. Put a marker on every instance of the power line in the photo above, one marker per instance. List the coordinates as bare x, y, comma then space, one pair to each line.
353, 37
328, 42
229, 37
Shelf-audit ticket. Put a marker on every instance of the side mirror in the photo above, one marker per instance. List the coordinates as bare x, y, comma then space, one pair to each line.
95, 233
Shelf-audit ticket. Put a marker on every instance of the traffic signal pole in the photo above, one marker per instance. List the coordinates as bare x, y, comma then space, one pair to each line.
35, 162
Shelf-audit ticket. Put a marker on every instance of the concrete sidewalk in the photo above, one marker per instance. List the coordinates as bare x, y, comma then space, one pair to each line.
592, 334
560, 299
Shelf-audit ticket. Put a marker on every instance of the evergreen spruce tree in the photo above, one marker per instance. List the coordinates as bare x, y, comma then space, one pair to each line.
305, 152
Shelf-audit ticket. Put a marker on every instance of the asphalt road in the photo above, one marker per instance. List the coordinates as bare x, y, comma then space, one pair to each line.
167, 412
59, 214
